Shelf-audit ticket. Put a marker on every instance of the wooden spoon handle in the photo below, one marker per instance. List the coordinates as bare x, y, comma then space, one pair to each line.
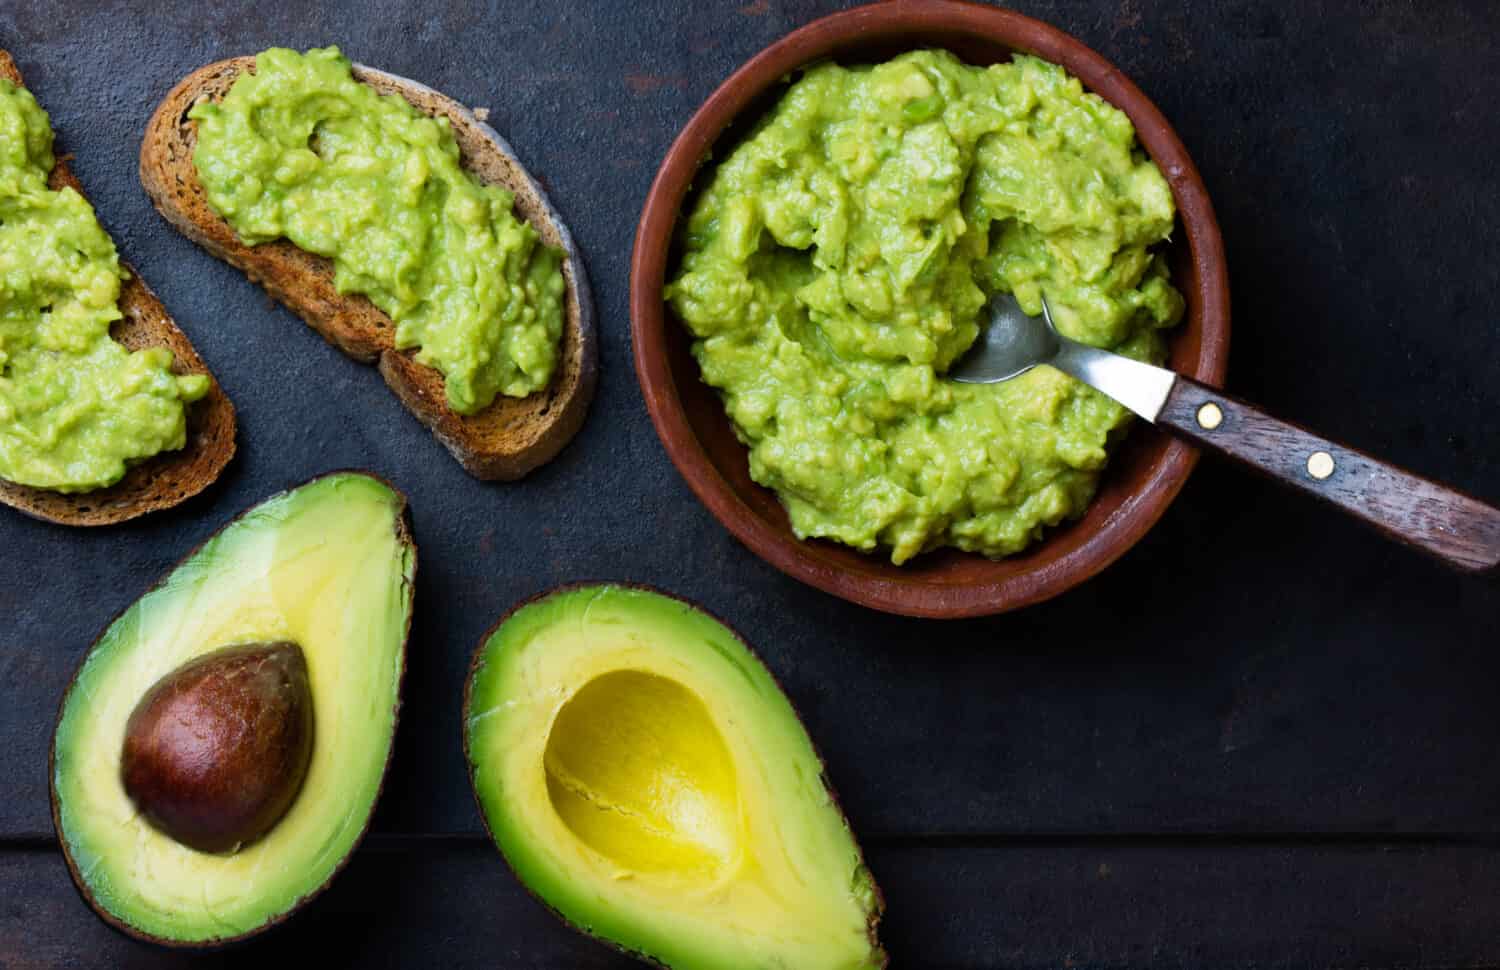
1452, 526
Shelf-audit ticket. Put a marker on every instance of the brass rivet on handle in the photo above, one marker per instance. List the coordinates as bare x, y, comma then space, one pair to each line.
1210, 416
1320, 465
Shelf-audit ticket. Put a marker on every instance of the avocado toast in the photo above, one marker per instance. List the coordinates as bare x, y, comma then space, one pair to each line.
505, 440
169, 477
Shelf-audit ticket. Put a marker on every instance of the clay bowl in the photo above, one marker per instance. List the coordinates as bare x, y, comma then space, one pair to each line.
1145, 472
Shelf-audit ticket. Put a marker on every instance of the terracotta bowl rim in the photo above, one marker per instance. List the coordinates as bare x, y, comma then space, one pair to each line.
912, 595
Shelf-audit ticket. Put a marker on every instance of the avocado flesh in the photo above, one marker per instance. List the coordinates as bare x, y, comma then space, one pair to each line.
645, 776
328, 566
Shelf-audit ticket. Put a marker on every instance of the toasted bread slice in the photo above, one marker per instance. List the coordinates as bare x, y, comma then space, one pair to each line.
505, 440
171, 477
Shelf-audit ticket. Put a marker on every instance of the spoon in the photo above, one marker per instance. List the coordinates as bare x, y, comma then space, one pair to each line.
1461, 530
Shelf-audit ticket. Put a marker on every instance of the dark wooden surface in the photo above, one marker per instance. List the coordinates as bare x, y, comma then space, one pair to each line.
1264, 738
1457, 529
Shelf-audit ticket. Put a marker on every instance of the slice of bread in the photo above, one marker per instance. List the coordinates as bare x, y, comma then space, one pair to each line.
171, 477
504, 441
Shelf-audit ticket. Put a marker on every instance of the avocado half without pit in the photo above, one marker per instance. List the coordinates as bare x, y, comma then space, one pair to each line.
215, 753
221, 747
645, 777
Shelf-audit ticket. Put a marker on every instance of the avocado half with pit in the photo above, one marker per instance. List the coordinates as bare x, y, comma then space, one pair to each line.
644, 775
221, 747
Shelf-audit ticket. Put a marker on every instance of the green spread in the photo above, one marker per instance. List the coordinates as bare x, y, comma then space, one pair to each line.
838, 260
300, 149
75, 406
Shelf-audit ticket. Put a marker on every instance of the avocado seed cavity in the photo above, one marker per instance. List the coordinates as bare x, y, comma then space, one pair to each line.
638, 771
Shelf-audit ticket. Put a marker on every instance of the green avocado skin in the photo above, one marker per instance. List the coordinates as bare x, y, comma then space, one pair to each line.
328, 566
646, 778
839, 259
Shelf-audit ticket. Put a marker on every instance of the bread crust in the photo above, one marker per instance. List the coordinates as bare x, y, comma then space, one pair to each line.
504, 441
164, 480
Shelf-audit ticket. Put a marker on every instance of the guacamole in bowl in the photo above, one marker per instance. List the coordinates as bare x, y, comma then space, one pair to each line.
839, 259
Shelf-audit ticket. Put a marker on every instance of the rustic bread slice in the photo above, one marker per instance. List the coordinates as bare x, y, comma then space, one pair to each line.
171, 477
504, 441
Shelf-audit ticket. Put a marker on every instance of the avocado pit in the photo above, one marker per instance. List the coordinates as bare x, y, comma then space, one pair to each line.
216, 751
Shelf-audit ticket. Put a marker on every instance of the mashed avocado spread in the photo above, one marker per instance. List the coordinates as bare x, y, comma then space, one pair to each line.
838, 260
302, 150
75, 406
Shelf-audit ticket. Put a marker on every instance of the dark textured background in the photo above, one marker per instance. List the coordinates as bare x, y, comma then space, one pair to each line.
1263, 738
